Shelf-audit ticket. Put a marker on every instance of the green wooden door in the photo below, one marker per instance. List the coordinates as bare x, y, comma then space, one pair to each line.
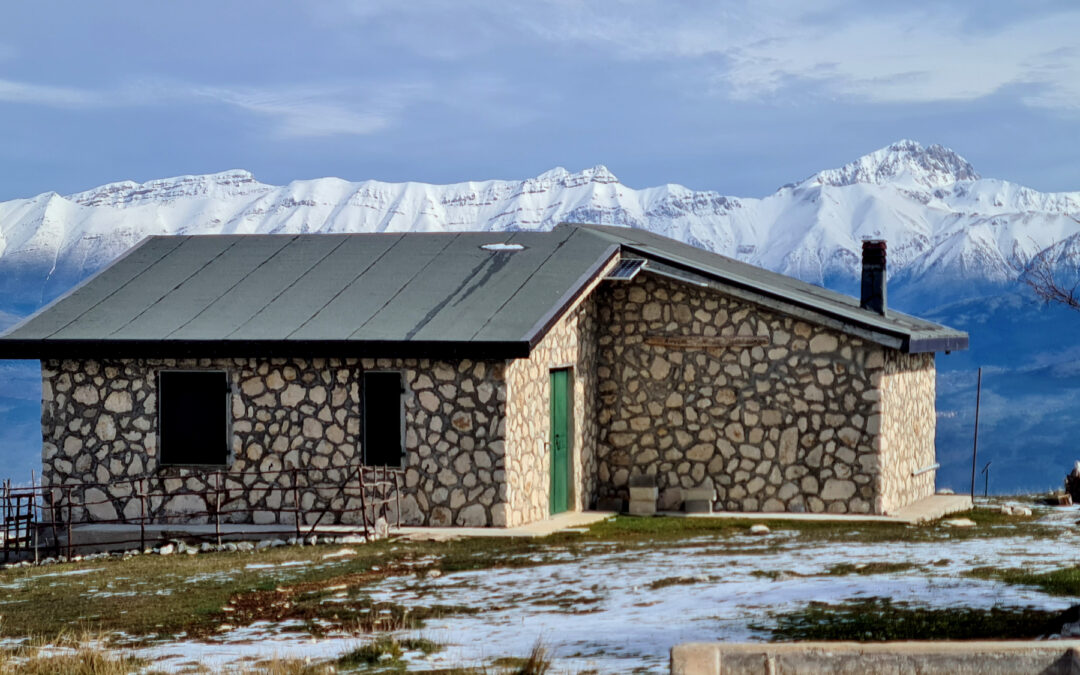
560, 440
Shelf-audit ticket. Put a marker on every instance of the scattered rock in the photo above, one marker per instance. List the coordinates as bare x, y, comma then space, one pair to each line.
759, 529
958, 522
382, 528
167, 549
434, 574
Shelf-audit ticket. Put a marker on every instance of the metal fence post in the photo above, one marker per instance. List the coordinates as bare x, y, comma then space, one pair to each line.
68, 497
217, 507
142, 514
53, 515
296, 502
363, 499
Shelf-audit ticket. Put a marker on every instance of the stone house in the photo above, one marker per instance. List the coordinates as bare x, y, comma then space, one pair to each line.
508, 376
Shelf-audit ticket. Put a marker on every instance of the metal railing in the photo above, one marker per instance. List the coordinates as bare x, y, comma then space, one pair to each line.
39, 516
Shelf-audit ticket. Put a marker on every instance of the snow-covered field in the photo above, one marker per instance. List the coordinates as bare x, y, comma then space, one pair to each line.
615, 610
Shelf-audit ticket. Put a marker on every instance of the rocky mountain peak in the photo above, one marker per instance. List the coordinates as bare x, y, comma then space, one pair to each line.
901, 162
127, 193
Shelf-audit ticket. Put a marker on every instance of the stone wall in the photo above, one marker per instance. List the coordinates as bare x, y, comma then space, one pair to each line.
908, 426
788, 426
99, 423
455, 440
570, 343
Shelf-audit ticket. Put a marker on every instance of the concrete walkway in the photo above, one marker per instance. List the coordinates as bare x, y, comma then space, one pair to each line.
564, 521
930, 508
89, 537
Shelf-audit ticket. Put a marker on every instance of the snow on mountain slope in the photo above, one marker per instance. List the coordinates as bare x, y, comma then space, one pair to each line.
940, 218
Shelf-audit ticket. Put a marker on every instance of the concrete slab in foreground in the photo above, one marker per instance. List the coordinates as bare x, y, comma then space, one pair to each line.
881, 658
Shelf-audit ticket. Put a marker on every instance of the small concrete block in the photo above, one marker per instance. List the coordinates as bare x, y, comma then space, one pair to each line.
670, 499
642, 481
642, 508
698, 494
697, 506
644, 494
614, 504
695, 658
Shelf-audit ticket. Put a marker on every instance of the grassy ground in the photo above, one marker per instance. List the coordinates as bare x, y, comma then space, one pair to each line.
879, 619
1064, 581
162, 596
149, 597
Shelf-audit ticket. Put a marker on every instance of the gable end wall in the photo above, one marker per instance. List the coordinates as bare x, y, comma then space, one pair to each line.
794, 425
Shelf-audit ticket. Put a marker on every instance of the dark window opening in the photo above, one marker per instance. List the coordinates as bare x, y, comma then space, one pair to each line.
384, 420
193, 417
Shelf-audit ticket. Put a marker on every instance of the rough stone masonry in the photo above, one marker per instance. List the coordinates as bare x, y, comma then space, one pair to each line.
812, 420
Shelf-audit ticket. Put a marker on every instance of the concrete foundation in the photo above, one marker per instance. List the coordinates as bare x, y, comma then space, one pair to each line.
852, 658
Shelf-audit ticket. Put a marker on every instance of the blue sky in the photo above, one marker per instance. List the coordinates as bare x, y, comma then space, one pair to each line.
735, 97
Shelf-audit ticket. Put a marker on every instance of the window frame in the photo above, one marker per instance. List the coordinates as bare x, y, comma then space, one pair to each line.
229, 391
401, 413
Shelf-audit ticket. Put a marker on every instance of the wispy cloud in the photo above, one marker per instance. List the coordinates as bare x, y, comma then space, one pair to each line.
331, 111
291, 111
910, 53
37, 94
910, 56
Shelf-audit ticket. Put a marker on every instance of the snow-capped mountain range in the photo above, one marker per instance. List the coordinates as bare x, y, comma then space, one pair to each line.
938, 215
956, 242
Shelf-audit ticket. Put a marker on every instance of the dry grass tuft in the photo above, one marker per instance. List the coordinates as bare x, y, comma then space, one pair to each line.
69, 656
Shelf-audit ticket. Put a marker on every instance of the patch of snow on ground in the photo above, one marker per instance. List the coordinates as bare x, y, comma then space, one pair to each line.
598, 610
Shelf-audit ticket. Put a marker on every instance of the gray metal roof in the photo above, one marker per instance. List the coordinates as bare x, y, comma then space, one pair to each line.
784, 293
416, 294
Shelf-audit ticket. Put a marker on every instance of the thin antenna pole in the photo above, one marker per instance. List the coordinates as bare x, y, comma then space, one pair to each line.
975, 444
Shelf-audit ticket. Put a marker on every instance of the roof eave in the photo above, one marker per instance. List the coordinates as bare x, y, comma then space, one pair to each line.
143, 349
920, 343
552, 316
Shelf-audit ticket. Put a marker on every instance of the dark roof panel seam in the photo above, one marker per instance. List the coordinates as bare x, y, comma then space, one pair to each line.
468, 284
285, 290
405, 285
522, 285
168, 292
182, 239
346, 287
228, 290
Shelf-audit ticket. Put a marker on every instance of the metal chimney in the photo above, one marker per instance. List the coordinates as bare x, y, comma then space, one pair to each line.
873, 276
